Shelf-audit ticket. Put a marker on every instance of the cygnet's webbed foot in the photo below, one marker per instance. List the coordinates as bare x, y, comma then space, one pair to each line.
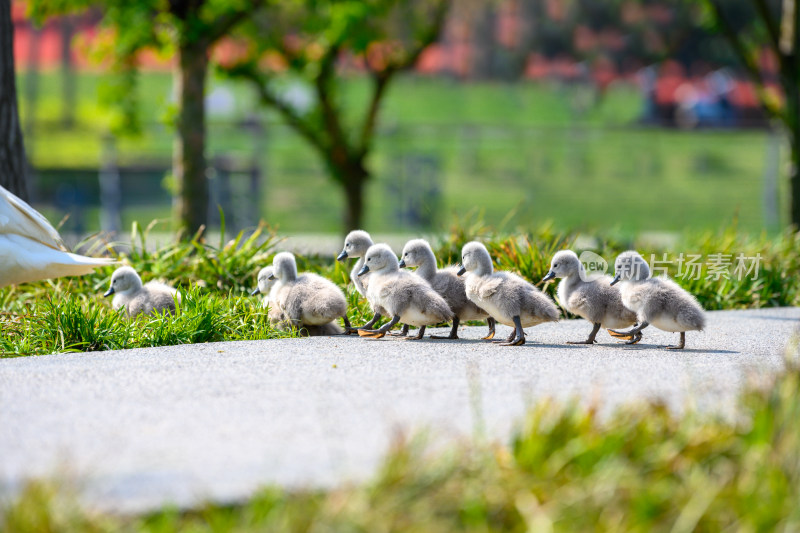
492, 322
632, 336
378, 333
366, 327
592, 335
402, 333
371, 333
453, 331
509, 339
681, 345
418, 336
517, 337
619, 334
517, 341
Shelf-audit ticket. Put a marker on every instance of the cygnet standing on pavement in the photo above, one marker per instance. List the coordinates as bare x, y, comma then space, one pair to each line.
657, 301
508, 298
589, 296
356, 245
407, 298
446, 282
128, 291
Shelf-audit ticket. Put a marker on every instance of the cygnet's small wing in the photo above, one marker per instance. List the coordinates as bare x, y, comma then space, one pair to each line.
19, 218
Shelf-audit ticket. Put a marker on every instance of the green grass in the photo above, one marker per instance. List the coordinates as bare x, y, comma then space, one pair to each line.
69, 314
518, 151
567, 469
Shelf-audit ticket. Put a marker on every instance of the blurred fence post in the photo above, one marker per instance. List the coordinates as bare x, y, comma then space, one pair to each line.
110, 187
772, 163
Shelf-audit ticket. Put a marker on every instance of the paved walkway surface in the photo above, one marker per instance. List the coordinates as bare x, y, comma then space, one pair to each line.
140, 428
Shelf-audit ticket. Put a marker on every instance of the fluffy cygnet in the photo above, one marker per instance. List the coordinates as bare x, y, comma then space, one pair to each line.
306, 299
31, 249
589, 296
407, 298
446, 281
657, 301
128, 291
266, 282
356, 245
508, 298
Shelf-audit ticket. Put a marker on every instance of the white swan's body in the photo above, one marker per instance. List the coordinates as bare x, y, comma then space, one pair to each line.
31, 249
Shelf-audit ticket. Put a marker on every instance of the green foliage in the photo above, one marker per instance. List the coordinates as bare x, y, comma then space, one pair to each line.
567, 469
68, 314
78, 324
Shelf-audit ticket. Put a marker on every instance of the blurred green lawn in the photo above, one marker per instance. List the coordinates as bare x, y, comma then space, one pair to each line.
522, 154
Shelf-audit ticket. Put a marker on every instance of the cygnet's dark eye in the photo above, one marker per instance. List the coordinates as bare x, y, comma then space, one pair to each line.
405, 254
347, 245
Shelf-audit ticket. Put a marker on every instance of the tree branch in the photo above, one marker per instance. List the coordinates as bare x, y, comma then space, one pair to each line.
381, 78
773, 30
290, 115
224, 24
330, 118
739, 48
380, 82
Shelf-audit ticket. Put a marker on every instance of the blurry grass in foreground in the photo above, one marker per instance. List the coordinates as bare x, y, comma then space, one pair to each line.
567, 469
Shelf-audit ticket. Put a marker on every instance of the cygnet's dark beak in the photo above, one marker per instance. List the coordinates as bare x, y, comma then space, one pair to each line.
271, 277
616, 279
462, 270
255, 291
342, 256
550, 275
363, 270
109, 292
402, 263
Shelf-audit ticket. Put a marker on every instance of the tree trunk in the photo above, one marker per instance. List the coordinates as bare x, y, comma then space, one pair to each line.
13, 165
794, 180
189, 160
353, 179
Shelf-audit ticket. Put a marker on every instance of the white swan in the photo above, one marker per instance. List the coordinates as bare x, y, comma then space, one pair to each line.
31, 249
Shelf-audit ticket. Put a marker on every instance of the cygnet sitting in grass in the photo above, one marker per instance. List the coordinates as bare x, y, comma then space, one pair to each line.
266, 282
307, 299
128, 291
356, 245
508, 298
589, 296
657, 301
446, 282
406, 297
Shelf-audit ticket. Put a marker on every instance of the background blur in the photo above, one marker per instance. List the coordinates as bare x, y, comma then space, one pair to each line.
614, 116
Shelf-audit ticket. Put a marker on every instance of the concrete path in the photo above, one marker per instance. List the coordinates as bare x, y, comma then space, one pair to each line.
140, 428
